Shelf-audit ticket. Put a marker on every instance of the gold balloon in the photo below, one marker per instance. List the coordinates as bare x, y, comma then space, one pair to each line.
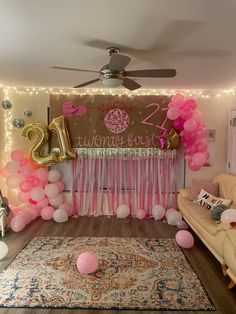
58, 126
172, 140
36, 154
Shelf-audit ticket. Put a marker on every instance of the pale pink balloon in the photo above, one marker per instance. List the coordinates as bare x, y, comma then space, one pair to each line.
190, 125
68, 208
184, 239
199, 159
177, 100
169, 210
173, 113
201, 132
41, 173
197, 115
25, 186
18, 223
13, 167
17, 155
38, 211
47, 212
23, 196
51, 190
43, 203
24, 161
26, 170
32, 212
181, 224
13, 181
54, 175
37, 193
140, 214
201, 147
193, 167
25, 214
87, 263
60, 185
56, 200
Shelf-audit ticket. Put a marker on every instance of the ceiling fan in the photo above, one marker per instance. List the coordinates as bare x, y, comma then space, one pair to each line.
114, 74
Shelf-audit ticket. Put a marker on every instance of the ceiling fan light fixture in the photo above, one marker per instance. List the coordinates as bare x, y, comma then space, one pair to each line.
112, 82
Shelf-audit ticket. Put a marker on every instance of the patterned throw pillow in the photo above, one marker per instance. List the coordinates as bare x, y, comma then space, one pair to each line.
208, 200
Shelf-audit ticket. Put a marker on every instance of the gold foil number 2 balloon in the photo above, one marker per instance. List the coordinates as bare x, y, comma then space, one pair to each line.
36, 153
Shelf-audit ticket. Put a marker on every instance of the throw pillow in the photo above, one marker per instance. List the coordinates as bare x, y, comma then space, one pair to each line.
208, 200
217, 211
197, 185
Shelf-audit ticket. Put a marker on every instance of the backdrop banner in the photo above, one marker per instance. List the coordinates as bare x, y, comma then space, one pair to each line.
96, 121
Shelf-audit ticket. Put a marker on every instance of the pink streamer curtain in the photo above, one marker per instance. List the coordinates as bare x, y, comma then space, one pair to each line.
101, 184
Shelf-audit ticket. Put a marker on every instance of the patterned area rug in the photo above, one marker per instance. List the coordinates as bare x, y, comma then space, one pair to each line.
133, 274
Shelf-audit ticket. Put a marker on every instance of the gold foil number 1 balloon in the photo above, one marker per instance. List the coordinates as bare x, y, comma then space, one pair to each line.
36, 152
59, 127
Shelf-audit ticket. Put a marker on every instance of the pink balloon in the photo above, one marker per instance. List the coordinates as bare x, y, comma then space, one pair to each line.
186, 113
190, 103
13, 180
37, 193
140, 214
43, 203
201, 147
47, 212
197, 115
178, 124
26, 170
184, 239
190, 125
188, 157
56, 200
51, 190
18, 223
68, 208
13, 167
190, 150
41, 173
189, 138
201, 132
35, 181
23, 161
23, 196
193, 167
181, 224
177, 100
60, 186
32, 201
31, 212
87, 263
169, 210
25, 186
173, 113
17, 155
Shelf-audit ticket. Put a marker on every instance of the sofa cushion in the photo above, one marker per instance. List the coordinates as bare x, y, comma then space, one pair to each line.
230, 252
208, 200
197, 185
227, 186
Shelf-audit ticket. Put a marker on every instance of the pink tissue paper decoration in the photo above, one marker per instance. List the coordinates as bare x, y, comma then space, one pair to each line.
69, 109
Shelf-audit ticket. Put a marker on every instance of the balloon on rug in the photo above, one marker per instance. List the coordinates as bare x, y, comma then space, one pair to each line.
174, 217
181, 224
87, 263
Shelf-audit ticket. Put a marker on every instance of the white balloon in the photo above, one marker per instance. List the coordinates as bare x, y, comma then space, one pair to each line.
158, 212
3, 249
174, 217
54, 175
123, 211
228, 215
60, 215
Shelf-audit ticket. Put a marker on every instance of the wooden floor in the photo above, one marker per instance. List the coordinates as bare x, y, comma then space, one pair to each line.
202, 261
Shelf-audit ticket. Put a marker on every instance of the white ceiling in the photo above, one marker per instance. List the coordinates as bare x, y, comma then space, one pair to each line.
196, 37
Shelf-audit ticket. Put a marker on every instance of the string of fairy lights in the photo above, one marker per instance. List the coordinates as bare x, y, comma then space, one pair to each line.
10, 91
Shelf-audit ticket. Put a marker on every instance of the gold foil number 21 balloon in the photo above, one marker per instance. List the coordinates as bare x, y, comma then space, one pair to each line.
36, 153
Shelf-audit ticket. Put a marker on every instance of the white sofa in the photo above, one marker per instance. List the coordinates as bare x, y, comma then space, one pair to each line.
220, 238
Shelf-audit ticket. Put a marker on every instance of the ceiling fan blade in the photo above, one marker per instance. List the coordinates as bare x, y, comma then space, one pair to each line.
118, 62
152, 73
87, 83
130, 84
72, 69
